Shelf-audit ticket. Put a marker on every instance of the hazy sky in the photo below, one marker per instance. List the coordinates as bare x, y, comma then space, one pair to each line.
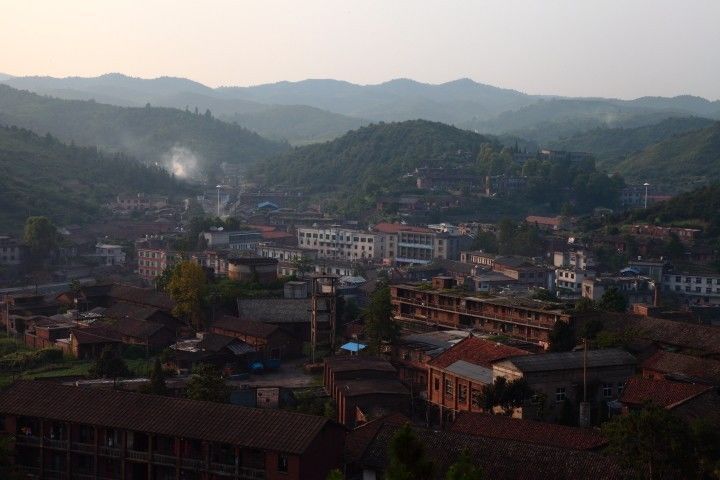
619, 48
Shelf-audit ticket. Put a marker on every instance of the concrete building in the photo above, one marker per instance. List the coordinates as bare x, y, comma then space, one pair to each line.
232, 240
557, 377
153, 260
695, 285
570, 280
252, 270
635, 289
409, 245
341, 243
10, 251
110, 254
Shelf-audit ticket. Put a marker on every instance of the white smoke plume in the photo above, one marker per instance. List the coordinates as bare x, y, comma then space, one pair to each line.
182, 162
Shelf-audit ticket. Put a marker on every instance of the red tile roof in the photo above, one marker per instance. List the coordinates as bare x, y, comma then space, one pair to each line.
670, 363
555, 221
274, 235
476, 351
664, 393
358, 439
250, 328
499, 426
264, 429
385, 227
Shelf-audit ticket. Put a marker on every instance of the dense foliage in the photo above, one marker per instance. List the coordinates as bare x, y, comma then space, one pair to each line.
148, 133
42, 176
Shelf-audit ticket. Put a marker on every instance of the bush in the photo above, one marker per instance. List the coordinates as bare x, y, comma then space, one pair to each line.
134, 352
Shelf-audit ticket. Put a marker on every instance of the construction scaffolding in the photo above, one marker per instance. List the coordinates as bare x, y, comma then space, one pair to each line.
322, 320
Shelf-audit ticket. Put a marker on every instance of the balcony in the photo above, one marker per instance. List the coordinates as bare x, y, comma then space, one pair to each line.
57, 444
161, 459
109, 451
194, 463
137, 455
251, 474
82, 447
28, 440
222, 468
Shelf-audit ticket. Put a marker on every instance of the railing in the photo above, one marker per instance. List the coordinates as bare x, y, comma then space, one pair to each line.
27, 440
222, 468
137, 455
109, 451
251, 474
59, 444
195, 463
82, 447
35, 471
83, 476
161, 459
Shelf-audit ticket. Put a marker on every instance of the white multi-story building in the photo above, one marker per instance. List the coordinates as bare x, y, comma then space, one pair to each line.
696, 286
341, 243
232, 240
571, 279
109, 254
409, 245
9, 250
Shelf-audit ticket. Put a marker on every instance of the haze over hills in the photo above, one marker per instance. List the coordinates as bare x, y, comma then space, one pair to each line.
272, 109
42, 176
686, 159
181, 140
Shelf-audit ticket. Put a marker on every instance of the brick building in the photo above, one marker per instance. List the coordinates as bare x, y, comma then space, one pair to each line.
270, 341
73, 432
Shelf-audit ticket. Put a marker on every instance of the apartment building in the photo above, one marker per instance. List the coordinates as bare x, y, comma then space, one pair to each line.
410, 245
341, 243
153, 260
82, 433
232, 240
521, 318
696, 285
570, 280
110, 254
10, 250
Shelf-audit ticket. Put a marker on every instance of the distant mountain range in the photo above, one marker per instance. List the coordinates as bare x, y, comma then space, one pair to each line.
273, 110
152, 134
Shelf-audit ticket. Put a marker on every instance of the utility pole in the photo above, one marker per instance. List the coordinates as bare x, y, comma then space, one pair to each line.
218, 199
646, 184
584, 419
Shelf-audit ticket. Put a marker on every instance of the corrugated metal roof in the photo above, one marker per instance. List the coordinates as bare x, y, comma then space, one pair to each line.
570, 360
471, 371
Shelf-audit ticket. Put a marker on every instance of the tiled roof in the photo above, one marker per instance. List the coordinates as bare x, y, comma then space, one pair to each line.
275, 310
250, 328
664, 393
350, 363
96, 334
570, 360
677, 364
358, 439
130, 310
142, 296
264, 429
477, 351
352, 388
543, 220
499, 459
131, 327
541, 433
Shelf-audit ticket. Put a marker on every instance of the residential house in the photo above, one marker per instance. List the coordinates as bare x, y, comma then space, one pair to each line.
456, 376
291, 314
559, 377
227, 353
695, 284
10, 251
677, 366
73, 432
634, 289
271, 342
109, 255
548, 223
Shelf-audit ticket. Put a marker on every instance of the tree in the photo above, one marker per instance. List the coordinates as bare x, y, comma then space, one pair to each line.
590, 329
585, 305
187, 287
379, 323
41, 237
109, 365
157, 379
407, 457
335, 474
613, 300
562, 337
207, 384
652, 442
504, 394
464, 468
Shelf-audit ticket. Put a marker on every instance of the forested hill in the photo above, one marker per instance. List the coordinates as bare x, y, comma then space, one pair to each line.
681, 160
42, 176
373, 157
612, 145
148, 133
699, 207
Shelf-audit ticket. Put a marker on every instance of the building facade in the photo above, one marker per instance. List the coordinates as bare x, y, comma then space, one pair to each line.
341, 243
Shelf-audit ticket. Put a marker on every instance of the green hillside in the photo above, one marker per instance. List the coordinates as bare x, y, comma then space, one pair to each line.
612, 145
147, 133
373, 157
701, 205
42, 176
680, 161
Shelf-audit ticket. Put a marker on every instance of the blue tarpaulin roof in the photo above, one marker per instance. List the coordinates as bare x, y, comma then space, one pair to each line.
353, 347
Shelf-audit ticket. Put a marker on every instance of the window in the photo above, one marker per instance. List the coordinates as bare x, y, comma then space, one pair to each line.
560, 394
462, 393
607, 390
448, 387
437, 384
620, 387
282, 465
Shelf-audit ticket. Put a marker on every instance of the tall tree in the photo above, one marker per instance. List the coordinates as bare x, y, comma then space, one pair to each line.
109, 365
464, 468
41, 237
207, 384
187, 287
157, 379
613, 300
562, 337
379, 324
652, 442
408, 460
